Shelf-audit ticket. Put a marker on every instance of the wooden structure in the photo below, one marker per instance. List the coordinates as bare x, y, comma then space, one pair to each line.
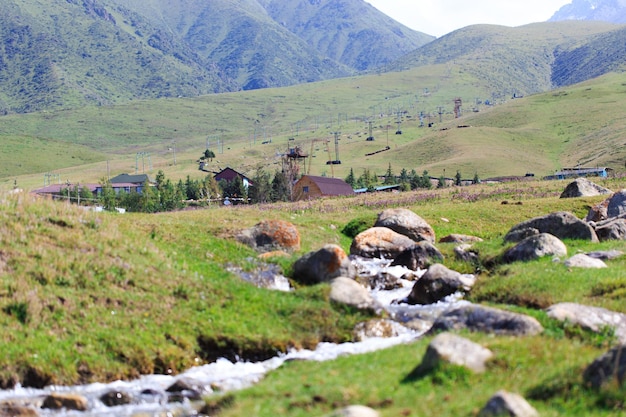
310, 186
229, 174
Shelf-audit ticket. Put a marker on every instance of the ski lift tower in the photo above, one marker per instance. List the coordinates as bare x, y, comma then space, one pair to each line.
457, 107
370, 138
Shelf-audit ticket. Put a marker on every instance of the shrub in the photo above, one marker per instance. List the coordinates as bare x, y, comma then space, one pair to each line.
356, 226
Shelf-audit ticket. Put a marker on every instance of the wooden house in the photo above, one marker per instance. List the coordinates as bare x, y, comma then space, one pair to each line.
310, 186
229, 174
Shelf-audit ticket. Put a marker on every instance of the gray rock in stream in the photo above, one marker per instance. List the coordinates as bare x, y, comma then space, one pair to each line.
437, 283
479, 318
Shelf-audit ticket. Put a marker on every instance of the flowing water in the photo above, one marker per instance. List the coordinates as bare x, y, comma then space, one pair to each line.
149, 395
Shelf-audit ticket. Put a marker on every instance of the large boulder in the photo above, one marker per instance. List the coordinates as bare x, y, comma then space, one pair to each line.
406, 223
419, 256
562, 224
347, 291
582, 187
450, 348
380, 242
329, 262
611, 229
507, 404
271, 235
599, 212
595, 319
535, 247
483, 319
437, 283
617, 204
607, 369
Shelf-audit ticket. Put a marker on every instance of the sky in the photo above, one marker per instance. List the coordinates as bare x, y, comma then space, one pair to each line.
439, 17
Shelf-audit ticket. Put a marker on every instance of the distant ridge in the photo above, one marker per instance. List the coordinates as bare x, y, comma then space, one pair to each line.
613, 11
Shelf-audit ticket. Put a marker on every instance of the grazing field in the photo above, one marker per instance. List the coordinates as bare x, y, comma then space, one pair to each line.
580, 125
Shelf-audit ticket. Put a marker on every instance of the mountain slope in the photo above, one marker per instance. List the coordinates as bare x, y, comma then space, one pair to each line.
613, 11
351, 32
509, 61
63, 53
67, 53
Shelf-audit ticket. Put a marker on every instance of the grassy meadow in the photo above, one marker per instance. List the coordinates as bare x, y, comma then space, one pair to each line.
578, 125
99, 296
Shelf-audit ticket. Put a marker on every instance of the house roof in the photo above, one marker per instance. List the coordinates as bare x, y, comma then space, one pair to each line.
56, 188
229, 174
330, 186
133, 179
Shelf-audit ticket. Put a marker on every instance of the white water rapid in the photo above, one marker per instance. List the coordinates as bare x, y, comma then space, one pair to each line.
149, 396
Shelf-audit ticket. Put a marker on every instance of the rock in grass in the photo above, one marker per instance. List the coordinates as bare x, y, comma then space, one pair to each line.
457, 238
535, 247
582, 187
437, 283
347, 291
354, 411
465, 253
508, 404
580, 260
323, 265
612, 229
479, 318
450, 348
418, 256
406, 223
271, 235
562, 224
380, 242
617, 204
608, 369
595, 319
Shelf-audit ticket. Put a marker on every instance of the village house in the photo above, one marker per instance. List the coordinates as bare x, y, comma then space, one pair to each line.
228, 174
310, 186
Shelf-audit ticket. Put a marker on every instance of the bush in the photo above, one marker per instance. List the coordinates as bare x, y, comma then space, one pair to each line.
356, 226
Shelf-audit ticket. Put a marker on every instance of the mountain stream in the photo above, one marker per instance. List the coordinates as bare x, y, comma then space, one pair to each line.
148, 396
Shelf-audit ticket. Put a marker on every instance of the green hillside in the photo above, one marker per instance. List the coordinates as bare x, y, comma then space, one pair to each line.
580, 124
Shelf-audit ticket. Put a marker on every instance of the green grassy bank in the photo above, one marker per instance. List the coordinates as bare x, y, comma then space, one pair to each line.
96, 296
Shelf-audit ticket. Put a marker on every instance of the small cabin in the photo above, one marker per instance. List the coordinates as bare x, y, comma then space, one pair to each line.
309, 187
229, 174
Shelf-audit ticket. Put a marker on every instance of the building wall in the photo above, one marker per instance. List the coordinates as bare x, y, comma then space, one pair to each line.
301, 192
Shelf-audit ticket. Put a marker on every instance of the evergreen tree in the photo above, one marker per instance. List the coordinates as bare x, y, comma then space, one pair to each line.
108, 199
442, 182
261, 190
390, 179
426, 183
350, 178
457, 179
415, 180
476, 180
280, 187
210, 189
